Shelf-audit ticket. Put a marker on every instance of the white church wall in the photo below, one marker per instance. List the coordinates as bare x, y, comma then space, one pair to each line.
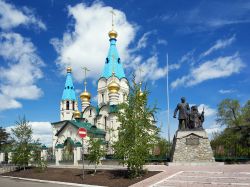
90, 114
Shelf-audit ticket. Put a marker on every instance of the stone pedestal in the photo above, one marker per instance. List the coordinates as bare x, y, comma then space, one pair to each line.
191, 146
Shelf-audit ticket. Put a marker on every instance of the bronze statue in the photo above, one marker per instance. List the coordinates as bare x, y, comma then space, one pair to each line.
183, 116
195, 118
192, 120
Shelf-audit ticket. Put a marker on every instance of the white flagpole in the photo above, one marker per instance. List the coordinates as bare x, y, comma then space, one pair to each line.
168, 102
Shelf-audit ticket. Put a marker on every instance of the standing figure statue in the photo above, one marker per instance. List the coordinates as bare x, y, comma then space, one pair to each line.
196, 119
183, 117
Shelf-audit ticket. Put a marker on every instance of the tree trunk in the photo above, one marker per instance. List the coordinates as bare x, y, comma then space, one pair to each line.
95, 168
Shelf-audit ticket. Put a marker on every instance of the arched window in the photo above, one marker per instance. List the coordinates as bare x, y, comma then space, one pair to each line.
102, 97
73, 105
90, 112
67, 105
105, 123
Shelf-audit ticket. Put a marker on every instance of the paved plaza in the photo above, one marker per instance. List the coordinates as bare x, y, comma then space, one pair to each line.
199, 176
206, 178
175, 176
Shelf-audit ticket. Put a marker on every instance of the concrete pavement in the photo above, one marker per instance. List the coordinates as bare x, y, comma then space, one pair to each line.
212, 176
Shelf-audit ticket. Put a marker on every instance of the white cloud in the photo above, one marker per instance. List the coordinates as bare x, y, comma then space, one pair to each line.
208, 110
41, 131
23, 69
227, 91
219, 44
162, 42
213, 129
8, 103
11, 17
87, 44
186, 58
211, 69
142, 43
150, 70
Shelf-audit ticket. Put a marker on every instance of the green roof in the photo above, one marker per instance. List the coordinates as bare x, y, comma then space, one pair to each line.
80, 124
78, 144
59, 146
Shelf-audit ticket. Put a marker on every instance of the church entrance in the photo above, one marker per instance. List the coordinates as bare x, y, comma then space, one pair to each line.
68, 151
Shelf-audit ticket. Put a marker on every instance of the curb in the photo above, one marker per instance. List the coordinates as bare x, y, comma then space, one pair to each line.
51, 182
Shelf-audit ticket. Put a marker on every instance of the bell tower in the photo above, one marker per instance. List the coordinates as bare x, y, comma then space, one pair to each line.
68, 102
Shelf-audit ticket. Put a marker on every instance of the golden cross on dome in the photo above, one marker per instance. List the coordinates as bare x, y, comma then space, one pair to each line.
113, 14
85, 75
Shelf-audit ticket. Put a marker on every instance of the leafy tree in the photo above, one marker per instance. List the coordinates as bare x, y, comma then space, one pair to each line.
229, 113
4, 138
246, 113
23, 143
136, 134
96, 152
36, 158
234, 140
163, 147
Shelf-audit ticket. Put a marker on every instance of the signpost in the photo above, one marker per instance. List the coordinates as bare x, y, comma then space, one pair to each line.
82, 132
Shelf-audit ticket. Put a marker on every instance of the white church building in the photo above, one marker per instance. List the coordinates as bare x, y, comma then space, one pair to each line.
100, 121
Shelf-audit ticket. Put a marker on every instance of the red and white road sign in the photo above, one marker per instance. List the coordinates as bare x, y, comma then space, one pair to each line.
82, 132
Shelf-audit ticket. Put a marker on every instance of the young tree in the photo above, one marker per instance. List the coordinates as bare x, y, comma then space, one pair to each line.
22, 135
4, 137
96, 152
136, 134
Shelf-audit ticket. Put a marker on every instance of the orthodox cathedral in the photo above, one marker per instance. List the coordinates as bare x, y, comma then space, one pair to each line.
100, 121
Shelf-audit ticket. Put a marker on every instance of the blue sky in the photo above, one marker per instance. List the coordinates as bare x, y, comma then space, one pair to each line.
207, 43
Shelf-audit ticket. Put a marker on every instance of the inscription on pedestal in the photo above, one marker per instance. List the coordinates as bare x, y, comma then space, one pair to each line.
192, 141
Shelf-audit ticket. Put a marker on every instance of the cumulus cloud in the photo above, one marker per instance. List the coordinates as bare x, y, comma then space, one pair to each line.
213, 129
41, 131
11, 17
88, 42
211, 69
207, 109
150, 70
219, 44
22, 70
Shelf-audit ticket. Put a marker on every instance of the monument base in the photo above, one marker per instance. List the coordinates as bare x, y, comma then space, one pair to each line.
191, 146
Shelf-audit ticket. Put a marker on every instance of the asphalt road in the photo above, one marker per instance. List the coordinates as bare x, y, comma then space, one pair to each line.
7, 182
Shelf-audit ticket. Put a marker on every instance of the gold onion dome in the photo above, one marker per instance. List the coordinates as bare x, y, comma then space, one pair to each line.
112, 34
69, 69
141, 92
85, 96
77, 114
113, 87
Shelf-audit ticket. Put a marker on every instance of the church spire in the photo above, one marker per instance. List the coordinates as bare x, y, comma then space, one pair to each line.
113, 59
69, 89
68, 103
